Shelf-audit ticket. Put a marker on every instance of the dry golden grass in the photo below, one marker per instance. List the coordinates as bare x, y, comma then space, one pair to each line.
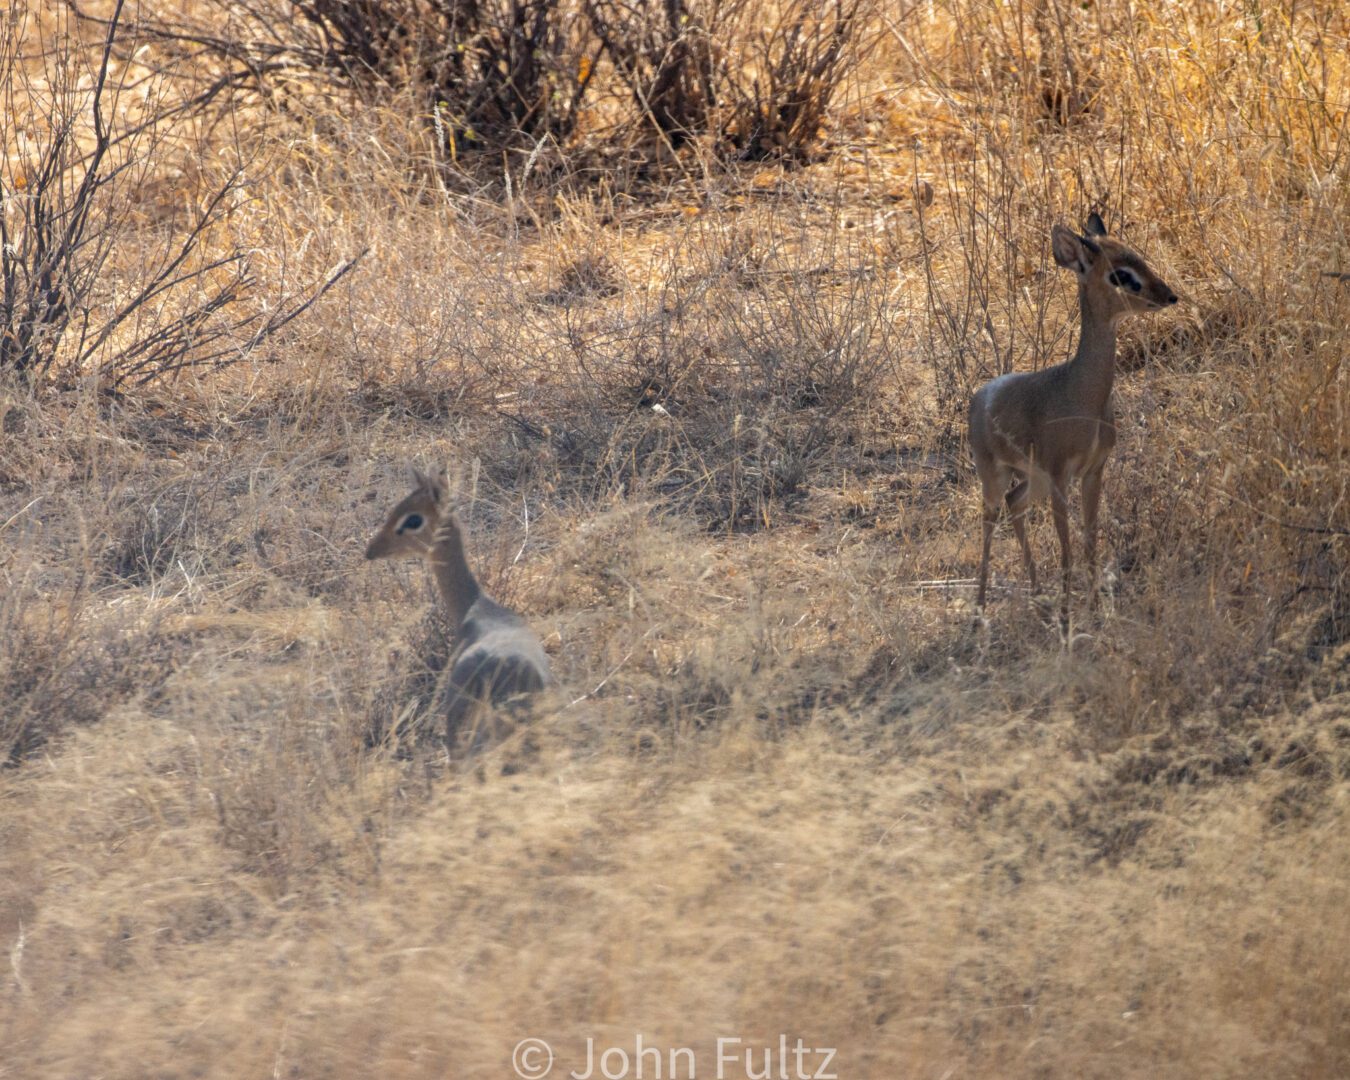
788, 790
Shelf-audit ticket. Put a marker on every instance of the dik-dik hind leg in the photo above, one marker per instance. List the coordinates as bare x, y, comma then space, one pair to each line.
990, 520
466, 712
1092, 493
460, 705
1019, 499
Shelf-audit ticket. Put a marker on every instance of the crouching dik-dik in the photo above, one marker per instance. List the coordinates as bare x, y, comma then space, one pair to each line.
1032, 433
495, 656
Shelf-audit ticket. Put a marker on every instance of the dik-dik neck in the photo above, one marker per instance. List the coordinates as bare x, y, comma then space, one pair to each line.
458, 587
1093, 367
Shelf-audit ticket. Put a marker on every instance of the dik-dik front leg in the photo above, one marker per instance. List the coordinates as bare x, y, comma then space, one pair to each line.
1059, 508
1092, 493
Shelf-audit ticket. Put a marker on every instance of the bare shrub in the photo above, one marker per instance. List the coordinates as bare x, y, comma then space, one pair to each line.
85, 143
802, 60
665, 55
515, 74
495, 73
487, 75
722, 69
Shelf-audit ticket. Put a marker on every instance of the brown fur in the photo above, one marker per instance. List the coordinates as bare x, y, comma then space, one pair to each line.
497, 656
1033, 433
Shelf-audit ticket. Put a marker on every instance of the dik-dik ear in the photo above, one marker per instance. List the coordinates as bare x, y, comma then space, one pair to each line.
1073, 252
429, 484
1095, 225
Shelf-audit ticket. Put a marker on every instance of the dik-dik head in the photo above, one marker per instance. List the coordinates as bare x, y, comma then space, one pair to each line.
1116, 278
410, 527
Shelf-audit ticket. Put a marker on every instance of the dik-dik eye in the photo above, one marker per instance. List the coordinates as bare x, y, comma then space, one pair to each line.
1123, 278
410, 523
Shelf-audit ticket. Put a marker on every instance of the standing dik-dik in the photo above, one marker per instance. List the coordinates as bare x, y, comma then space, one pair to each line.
496, 656
1032, 433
